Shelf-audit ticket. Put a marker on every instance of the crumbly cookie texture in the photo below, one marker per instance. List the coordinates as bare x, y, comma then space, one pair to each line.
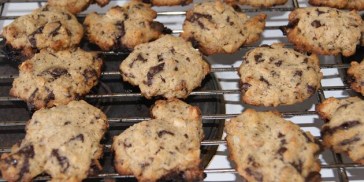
168, 67
265, 147
167, 2
56, 78
274, 75
167, 147
215, 27
343, 131
62, 141
76, 6
46, 27
341, 4
259, 3
356, 72
124, 26
324, 30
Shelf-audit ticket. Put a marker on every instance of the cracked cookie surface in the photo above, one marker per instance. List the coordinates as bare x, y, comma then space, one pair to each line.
258, 3
62, 141
76, 6
46, 27
215, 27
168, 146
274, 75
124, 26
324, 30
265, 147
341, 4
55, 78
343, 131
356, 72
168, 67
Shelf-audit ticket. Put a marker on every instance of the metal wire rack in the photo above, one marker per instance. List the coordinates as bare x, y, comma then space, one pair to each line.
339, 166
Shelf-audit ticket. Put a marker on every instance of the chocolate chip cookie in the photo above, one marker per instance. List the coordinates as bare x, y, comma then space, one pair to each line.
46, 27
168, 67
343, 131
55, 78
356, 73
341, 4
167, 2
258, 3
324, 30
167, 147
274, 75
215, 27
76, 6
265, 147
63, 142
123, 27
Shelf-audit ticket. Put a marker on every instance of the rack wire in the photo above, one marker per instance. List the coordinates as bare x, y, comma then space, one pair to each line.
338, 161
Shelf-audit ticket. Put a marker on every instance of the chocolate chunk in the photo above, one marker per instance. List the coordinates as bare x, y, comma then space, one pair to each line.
32, 40
78, 137
157, 26
174, 176
120, 26
262, 79
197, 16
89, 73
350, 141
164, 132
245, 86
62, 161
257, 175
152, 72
50, 96
258, 58
55, 31
316, 24
54, 72
280, 135
237, 8
32, 96
298, 73
281, 150
186, 136
160, 58
195, 43
313, 177
310, 89
297, 166
345, 126
319, 12
27, 151
67, 123
278, 63
293, 24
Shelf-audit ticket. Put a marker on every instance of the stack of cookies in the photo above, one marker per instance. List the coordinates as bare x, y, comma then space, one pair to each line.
63, 136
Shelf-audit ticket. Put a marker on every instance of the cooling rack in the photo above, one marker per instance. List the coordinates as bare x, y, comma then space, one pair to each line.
335, 167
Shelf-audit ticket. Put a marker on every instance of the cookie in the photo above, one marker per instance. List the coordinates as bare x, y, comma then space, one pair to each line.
76, 6
55, 78
341, 4
123, 27
258, 3
274, 75
265, 147
167, 2
167, 147
62, 141
324, 30
215, 27
343, 131
168, 67
46, 27
356, 74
